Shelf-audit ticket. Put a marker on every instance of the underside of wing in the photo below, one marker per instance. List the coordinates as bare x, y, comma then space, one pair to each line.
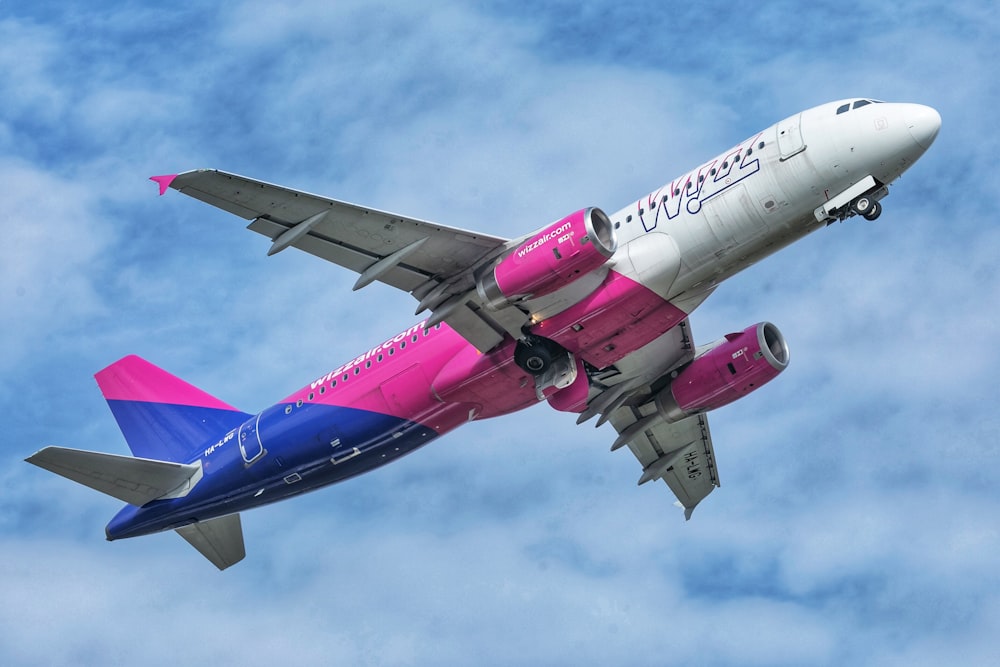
433, 262
678, 452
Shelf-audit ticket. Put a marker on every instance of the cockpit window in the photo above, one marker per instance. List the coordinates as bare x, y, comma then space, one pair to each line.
844, 108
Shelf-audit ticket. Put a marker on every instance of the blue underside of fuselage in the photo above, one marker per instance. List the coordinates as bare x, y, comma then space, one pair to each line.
310, 447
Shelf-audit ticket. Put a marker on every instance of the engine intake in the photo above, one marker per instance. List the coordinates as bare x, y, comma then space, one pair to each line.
739, 364
553, 258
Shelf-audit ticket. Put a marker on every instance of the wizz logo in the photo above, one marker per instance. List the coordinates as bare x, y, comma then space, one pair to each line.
689, 191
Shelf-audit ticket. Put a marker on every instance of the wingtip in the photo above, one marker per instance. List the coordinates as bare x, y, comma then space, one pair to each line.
163, 181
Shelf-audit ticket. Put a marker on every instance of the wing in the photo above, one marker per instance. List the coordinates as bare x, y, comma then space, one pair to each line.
435, 263
679, 453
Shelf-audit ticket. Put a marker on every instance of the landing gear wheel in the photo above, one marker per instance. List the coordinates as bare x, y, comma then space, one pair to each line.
874, 212
535, 354
862, 205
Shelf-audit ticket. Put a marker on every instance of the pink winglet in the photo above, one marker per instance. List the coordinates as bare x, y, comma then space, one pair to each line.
164, 181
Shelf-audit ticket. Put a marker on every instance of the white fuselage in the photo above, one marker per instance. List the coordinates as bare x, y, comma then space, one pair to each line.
762, 194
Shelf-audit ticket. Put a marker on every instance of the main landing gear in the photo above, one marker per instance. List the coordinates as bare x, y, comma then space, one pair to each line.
867, 207
535, 354
551, 365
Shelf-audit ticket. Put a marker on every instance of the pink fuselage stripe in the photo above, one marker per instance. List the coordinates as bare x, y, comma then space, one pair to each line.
440, 380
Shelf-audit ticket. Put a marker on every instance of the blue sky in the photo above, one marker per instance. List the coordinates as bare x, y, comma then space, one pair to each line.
857, 521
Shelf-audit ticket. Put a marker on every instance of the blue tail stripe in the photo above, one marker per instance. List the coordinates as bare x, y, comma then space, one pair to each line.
169, 432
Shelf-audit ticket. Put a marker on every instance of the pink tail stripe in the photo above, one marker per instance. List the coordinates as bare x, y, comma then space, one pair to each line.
135, 379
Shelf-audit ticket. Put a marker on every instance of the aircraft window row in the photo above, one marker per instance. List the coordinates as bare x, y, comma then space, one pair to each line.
357, 370
857, 104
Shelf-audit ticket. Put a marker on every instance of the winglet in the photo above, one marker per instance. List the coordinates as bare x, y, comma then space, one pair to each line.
163, 181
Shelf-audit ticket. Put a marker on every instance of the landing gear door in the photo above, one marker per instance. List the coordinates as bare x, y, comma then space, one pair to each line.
790, 137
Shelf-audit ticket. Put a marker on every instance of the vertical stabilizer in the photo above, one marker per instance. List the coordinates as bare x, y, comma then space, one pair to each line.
161, 416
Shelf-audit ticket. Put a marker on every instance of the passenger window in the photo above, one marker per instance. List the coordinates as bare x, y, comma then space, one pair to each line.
843, 108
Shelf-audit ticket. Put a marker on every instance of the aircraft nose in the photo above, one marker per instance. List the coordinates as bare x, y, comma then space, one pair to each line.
923, 122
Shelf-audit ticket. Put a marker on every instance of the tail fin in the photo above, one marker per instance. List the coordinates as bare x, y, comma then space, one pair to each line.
161, 416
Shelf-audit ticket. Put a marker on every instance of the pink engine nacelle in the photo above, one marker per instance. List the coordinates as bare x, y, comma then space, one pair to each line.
553, 258
739, 364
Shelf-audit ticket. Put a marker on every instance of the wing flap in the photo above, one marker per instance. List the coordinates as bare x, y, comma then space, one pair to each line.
219, 540
132, 480
440, 260
679, 453
365, 230
400, 276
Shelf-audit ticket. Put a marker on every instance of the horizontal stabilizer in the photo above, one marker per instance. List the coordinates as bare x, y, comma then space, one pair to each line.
219, 540
135, 481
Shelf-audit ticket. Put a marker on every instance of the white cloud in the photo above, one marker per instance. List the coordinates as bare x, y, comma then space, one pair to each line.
854, 522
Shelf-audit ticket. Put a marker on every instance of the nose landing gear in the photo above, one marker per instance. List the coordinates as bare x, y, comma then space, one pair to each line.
862, 199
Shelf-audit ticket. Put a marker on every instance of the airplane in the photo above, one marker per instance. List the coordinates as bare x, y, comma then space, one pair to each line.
589, 314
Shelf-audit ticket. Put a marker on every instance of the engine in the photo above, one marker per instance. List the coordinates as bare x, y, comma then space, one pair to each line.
553, 258
737, 365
